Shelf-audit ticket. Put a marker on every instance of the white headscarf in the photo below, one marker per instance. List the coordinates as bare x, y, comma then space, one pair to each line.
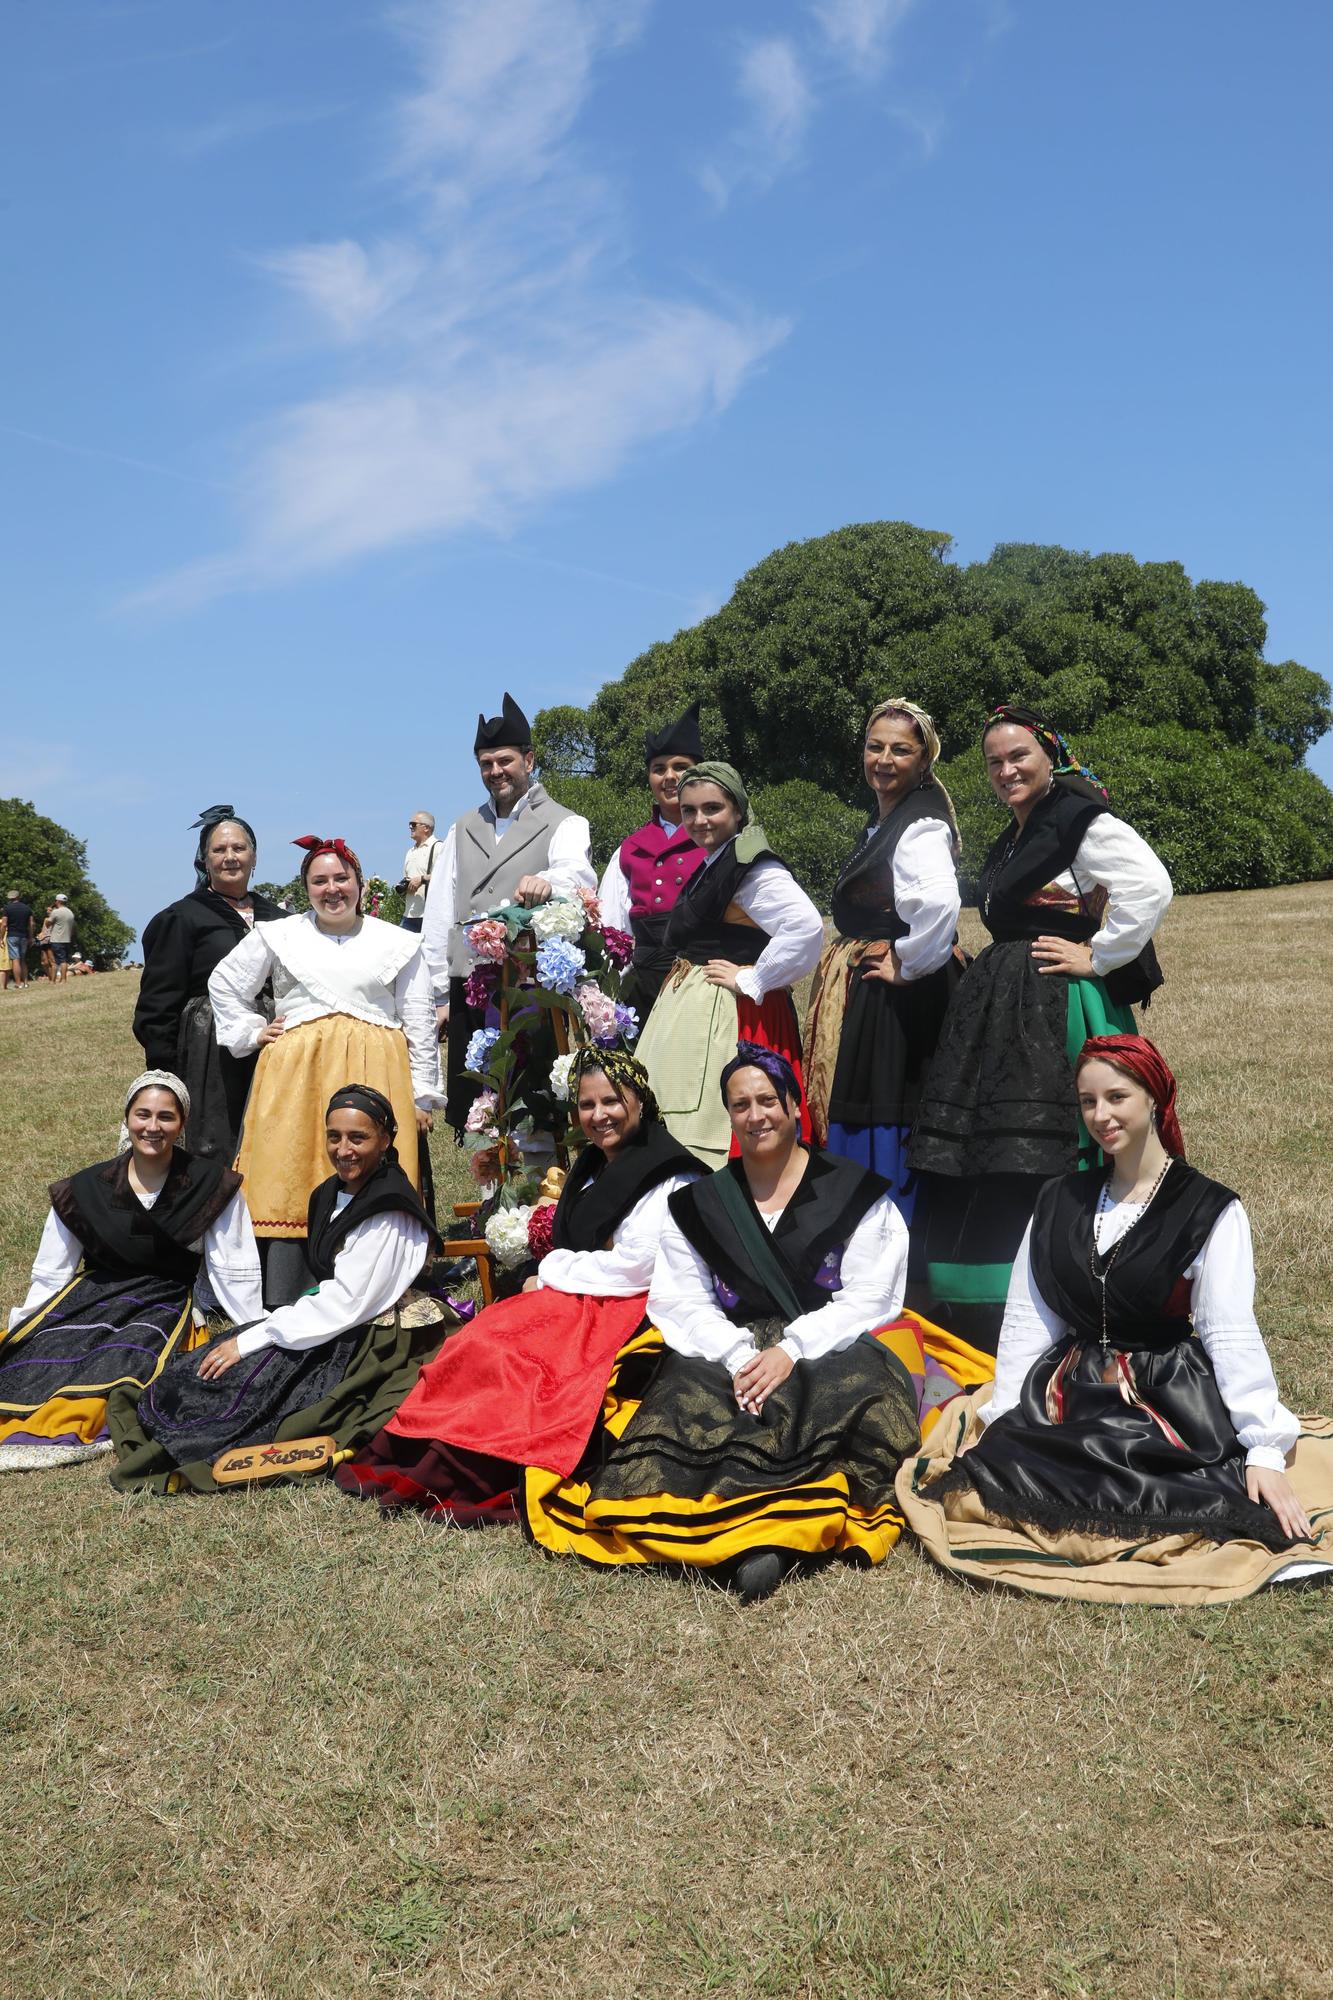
152, 1079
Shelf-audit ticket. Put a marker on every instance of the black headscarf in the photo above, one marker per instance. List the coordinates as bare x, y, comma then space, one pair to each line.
360, 1097
210, 817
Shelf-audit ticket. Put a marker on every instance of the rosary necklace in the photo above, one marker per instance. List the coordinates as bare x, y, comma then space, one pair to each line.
1101, 1271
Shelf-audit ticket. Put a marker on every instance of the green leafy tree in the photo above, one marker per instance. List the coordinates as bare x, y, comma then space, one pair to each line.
43, 860
1161, 679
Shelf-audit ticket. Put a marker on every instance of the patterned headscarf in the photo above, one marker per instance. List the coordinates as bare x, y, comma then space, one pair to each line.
152, 1079
360, 1097
210, 817
1074, 776
752, 1055
930, 737
1141, 1059
315, 846
621, 1070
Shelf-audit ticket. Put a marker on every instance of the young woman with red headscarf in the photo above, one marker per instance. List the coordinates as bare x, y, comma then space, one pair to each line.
353, 1004
1071, 897
1133, 1447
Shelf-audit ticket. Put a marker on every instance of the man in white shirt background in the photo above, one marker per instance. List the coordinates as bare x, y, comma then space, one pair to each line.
418, 866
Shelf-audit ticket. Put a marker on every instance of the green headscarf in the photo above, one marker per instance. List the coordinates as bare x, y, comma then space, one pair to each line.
751, 840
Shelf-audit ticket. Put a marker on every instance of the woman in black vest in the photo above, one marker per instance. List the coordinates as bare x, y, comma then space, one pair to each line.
324, 1366
1133, 1447
885, 978
111, 1298
524, 1383
788, 1387
173, 1018
742, 933
1071, 897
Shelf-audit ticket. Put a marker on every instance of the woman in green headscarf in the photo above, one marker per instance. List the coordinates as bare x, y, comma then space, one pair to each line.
743, 933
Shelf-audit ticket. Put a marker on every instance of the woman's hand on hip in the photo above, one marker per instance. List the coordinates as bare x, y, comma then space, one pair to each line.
425, 1120
1055, 954
721, 972
756, 1381
272, 1030
218, 1358
884, 966
1273, 1489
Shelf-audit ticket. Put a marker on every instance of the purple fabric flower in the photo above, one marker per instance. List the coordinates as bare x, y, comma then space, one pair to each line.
479, 985
627, 1023
829, 1275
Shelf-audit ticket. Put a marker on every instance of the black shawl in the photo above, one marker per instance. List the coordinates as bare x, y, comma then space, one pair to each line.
698, 928
599, 1193
862, 904
182, 945
388, 1188
833, 1197
1020, 864
1158, 1249
121, 1237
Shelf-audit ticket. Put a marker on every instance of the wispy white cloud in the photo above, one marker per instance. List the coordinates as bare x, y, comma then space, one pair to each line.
238, 127
861, 31
777, 99
493, 351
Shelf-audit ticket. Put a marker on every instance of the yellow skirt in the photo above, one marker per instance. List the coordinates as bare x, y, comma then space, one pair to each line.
282, 1155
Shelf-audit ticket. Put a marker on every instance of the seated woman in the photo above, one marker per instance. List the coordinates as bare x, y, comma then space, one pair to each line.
1133, 1446
741, 934
524, 1383
322, 1367
787, 1389
111, 1294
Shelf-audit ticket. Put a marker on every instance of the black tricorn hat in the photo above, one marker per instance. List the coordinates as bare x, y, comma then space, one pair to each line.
509, 730
680, 738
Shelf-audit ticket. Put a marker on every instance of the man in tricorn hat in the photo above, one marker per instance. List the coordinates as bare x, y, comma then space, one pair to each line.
652, 865
519, 847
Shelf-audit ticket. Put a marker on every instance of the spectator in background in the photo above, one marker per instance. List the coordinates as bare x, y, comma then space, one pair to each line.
417, 869
18, 937
60, 934
43, 944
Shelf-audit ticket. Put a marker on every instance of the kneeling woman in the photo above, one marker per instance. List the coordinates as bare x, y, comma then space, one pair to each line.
742, 933
787, 1390
320, 1367
111, 1294
524, 1383
1133, 1447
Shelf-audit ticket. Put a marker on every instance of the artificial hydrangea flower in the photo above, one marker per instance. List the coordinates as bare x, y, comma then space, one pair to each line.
619, 946
599, 1012
487, 939
540, 1225
560, 1069
592, 908
558, 919
559, 964
479, 985
481, 1118
479, 1047
627, 1023
507, 1235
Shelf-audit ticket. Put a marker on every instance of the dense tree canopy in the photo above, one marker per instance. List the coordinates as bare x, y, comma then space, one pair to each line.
42, 860
1161, 683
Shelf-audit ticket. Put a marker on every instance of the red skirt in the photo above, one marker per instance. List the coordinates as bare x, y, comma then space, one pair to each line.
522, 1385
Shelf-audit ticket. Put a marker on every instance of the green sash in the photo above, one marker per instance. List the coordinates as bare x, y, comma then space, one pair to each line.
759, 1245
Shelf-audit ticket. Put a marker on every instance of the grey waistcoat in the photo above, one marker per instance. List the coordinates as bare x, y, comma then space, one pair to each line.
487, 872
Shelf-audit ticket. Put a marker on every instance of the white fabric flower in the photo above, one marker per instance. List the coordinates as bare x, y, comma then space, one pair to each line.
558, 919
507, 1235
560, 1069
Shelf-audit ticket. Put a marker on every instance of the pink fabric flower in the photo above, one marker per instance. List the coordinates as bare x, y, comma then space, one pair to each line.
599, 1012
481, 1118
540, 1224
487, 939
592, 908
619, 946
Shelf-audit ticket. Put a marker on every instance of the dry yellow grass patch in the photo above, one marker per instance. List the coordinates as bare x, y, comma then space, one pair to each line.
275, 1745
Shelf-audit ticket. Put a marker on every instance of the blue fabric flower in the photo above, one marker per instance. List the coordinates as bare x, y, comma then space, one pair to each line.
560, 965
479, 1047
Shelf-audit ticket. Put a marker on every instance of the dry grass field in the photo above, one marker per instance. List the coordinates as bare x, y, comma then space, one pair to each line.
274, 1745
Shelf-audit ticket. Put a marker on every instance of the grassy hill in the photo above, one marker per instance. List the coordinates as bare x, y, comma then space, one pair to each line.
275, 1745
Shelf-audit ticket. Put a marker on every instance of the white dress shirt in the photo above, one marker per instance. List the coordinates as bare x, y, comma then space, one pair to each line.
626, 1266
1113, 857
1222, 1308
228, 1248
925, 896
770, 894
683, 1306
374, 1265
375, 973
568, 867
416, 862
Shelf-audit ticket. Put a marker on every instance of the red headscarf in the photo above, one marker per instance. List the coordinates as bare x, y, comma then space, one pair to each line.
1139, 1058
314, 846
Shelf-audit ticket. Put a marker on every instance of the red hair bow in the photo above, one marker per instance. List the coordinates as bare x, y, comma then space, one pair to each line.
314, 845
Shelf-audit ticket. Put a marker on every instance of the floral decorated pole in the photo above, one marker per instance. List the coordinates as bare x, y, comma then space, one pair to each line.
559, 961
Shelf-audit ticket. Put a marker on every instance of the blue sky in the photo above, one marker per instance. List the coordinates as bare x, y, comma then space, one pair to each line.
361, 363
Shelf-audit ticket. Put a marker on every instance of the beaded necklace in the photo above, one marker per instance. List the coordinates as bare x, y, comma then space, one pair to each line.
1102, 1271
